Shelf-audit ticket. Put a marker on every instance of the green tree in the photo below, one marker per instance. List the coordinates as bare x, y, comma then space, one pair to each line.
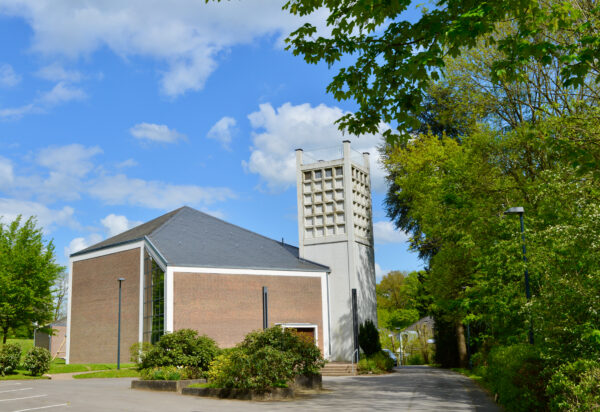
393, 60
28, 271
400, 300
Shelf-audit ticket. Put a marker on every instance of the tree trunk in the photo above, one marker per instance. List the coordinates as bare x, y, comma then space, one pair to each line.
463, 358
4, 334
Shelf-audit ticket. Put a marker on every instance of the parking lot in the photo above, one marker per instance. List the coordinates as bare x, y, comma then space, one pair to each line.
25, 396
409, 389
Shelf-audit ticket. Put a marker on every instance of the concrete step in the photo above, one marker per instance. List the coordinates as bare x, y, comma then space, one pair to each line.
338, 369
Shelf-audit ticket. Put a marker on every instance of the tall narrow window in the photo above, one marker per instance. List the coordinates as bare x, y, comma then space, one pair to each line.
154, 300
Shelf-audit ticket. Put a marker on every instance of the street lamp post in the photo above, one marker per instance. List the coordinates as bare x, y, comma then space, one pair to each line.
520, 211
119, 329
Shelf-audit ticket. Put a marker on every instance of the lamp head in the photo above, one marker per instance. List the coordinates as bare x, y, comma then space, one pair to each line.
514, 210
121, 279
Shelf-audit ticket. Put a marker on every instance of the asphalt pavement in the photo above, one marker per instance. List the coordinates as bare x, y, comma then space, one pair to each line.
410, 388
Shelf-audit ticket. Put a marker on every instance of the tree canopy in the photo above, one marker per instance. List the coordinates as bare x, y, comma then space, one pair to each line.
393, 61
28, 271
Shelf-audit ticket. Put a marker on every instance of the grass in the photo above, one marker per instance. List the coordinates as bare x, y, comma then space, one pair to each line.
478, 379
59, 366
200, 385
21, 375
123, 373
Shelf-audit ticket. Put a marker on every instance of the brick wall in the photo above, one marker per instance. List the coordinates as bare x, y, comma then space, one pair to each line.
227, 307
95, 305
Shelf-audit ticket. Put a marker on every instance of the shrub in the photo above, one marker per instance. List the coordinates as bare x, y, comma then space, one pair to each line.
170, 373
138, 351
368, 338
181, 348
37, 361
10, 356
377, 363
515, 374
415, 359
306, 357
575, 387
264, 368
265, 359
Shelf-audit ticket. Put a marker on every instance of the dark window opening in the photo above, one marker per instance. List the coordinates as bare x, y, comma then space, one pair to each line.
154, 300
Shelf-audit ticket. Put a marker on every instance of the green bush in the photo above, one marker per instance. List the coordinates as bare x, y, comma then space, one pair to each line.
575, 387
10, 357
415, 359
306, 357
37, 361
181, 348
515, 374
265, 359
138, 351
377, 363
368, 338
170, 373
261, 369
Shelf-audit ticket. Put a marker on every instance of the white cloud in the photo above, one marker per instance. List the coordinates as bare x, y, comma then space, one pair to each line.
61, 93
185, 35
80, 243
73, 159
62, 177
379, 273
116, 224
127, 163
156, 133
222, 131
71, 173
6, 172
278, 132
385, 232
14, 113
8, 77
57, 73
47, 218
120, 189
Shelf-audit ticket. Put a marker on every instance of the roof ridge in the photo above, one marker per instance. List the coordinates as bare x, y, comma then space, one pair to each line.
170, 219
234, 225
118, 238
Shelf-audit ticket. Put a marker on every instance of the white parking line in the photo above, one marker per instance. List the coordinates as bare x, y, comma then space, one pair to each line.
15, 390
9, 384
42, 407
18, 399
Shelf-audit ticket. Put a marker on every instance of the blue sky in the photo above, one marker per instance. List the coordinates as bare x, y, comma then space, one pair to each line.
113, 113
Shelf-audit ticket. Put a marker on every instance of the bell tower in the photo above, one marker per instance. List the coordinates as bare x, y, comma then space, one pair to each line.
335, 228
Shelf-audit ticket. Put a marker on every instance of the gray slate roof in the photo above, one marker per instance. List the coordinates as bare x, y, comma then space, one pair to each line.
188, 237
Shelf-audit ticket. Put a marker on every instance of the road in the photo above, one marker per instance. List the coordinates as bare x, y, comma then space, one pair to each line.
411, 388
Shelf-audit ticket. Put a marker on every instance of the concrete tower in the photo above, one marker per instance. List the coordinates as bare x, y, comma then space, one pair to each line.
335, 228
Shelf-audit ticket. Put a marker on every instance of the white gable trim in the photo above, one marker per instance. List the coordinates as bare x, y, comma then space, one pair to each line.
257, 272
108, 251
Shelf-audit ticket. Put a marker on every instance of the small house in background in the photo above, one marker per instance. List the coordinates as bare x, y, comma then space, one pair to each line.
56, 343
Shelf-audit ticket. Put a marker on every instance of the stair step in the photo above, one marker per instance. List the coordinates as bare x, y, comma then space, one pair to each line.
338, 369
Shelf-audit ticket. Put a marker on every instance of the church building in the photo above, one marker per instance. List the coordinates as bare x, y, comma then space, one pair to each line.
187, 269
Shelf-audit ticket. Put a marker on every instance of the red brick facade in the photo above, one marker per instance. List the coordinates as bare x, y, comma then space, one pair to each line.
94, 307
224, 307
227, 307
